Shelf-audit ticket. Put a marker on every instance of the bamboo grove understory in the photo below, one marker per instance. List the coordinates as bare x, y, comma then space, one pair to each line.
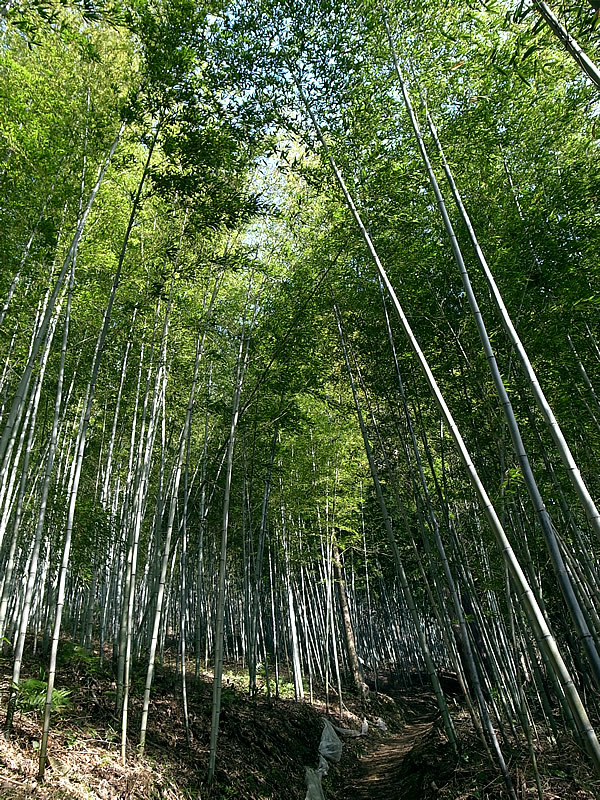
299, 350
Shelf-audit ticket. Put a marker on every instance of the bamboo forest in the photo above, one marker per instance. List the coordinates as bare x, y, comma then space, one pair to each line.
300, 399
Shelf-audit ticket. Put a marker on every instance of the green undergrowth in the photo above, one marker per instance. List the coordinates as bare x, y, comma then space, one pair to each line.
31, 696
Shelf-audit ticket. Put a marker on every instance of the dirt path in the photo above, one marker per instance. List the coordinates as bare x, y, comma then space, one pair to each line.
379, 770
378, 774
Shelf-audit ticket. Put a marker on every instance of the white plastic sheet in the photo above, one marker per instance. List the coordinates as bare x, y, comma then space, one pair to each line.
330, 749
323, 767
314, 790
331, 745
379, 723
352, 734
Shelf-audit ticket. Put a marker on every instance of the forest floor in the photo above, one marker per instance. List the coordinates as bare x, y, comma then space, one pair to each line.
264, 745
378, 771
416, 762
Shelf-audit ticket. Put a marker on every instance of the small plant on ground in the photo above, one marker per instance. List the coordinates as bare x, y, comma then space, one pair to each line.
79, 657
31, 696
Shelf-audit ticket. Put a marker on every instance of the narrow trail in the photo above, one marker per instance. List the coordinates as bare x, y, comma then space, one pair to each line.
378, 774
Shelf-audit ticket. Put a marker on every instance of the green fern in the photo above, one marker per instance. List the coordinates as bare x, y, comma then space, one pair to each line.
31, 696
79, 657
